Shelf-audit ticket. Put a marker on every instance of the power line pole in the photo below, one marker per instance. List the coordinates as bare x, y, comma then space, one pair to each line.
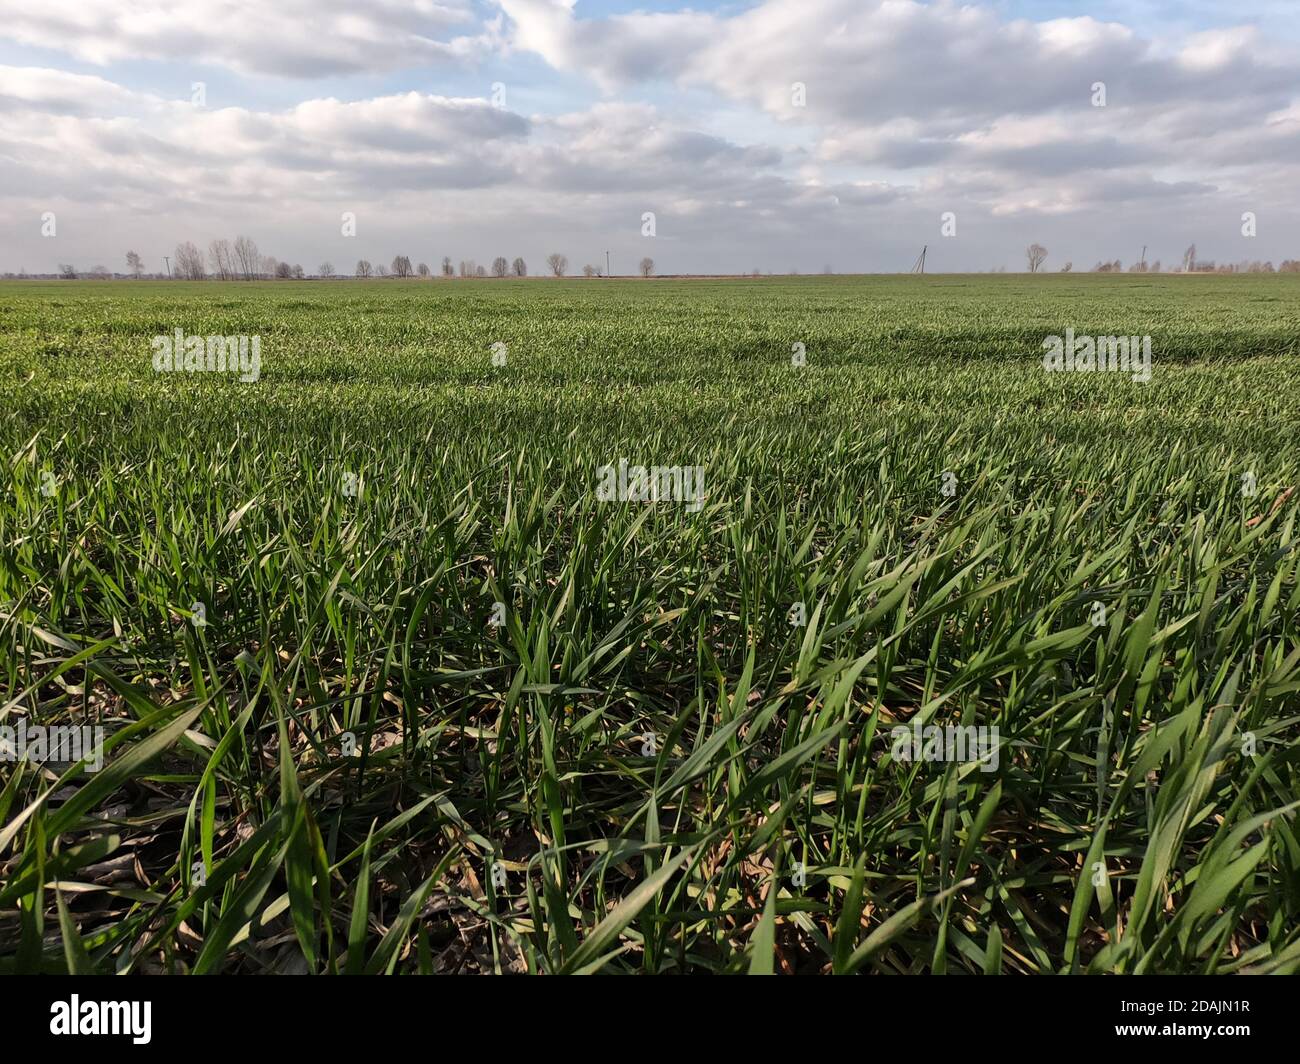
1144, 258
169, 267
607, 273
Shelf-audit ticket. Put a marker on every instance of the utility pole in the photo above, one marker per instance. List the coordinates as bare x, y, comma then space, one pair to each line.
1144, 258
169, 267
607, 273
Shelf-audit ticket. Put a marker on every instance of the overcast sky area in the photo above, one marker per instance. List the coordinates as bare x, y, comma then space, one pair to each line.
774, 135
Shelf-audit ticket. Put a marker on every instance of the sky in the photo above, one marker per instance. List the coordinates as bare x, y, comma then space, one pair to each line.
775, 135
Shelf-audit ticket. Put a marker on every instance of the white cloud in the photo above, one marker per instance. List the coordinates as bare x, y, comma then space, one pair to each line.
899, 85
615, 51
160, 153
59, 92
1216, 50
293, 38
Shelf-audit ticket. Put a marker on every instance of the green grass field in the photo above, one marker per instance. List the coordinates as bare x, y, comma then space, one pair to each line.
650, 765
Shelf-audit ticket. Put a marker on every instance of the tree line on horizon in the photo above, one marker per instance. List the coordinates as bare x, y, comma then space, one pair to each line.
242, 260
1036, 255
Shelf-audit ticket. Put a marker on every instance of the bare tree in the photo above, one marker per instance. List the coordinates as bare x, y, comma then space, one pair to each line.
269, 263
401, 266
479, 271
423, 269
99, 273
1036, 254
363, 268
1189, 259
247, 258
67, 271
468, 268
325, 269
221, 259
646, 266
589, 270
520, 268
134, 264
1067, 267
557, 263
447, 270
283, 271
381, 270
189, 262
298, 273
500, 267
